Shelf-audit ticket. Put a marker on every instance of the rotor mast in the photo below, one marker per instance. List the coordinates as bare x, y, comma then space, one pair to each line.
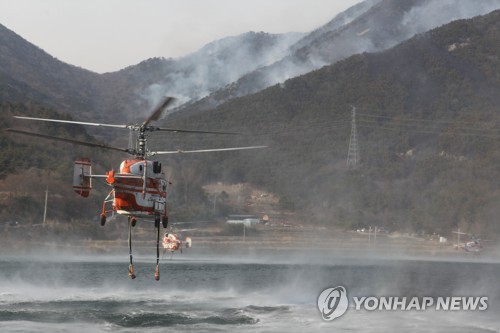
141, 151
141, 144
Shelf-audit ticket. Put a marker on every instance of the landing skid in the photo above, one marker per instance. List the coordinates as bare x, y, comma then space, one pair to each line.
159, 217
131, 223
131, 271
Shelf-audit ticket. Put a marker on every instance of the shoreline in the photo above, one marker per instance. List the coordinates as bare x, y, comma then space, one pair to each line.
319, 240
227, 246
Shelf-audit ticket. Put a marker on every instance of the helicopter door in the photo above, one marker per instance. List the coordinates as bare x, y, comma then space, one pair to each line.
159, 206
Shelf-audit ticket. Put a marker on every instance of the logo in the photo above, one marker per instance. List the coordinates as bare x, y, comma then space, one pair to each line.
454, 303
333, 303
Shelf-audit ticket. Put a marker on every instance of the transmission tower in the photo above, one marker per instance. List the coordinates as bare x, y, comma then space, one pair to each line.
353, 152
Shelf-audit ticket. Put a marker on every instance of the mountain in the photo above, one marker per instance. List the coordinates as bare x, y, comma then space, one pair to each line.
30, 75
33, 83
427, 118
427, 123
371, 26
214, 66
28, 72
224, 69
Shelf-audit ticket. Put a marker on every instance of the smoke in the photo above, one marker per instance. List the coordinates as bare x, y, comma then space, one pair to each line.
432, 14
371, 26
260, 59
219, 64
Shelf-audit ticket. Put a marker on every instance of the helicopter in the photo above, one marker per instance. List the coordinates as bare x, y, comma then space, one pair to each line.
473, 246
139, 187
173, 242
175, 239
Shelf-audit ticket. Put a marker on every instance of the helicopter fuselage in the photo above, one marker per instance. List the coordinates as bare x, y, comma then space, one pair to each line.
139, 189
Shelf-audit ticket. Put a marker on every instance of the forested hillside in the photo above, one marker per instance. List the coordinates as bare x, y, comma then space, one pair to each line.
428, 132
28, 73
30, 165
370, 26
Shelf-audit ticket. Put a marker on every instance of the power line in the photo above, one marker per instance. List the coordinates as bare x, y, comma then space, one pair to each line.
434, 121
401, 128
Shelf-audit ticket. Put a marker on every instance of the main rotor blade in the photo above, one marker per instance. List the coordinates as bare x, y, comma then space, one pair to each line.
77, 142
204, 150
155, 115
177, 130
72, 122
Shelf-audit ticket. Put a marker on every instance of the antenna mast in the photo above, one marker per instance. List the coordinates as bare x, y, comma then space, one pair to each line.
353, 152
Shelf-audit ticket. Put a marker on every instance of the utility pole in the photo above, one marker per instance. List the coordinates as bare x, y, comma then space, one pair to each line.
215, 202
353, 152
458, 237
45, 209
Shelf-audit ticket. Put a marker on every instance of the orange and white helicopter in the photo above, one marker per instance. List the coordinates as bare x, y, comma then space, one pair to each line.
173, 242
139, 188
175, 239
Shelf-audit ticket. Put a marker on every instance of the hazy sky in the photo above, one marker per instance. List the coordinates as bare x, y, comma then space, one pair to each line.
108, 35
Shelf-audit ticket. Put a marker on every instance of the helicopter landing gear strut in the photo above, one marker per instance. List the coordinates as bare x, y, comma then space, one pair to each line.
131, 223
157, 271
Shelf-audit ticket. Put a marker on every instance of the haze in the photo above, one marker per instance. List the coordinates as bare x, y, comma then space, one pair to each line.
105, 36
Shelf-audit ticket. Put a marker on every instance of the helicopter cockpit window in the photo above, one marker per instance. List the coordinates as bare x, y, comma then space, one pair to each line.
137, 168
156, 167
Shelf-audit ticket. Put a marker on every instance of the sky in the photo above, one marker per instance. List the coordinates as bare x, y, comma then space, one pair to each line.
108, 35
